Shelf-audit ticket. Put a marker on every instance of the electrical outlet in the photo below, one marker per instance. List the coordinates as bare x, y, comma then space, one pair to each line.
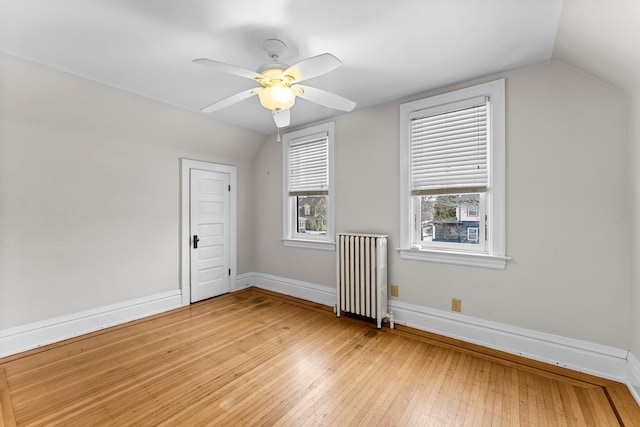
394, 290
456, 304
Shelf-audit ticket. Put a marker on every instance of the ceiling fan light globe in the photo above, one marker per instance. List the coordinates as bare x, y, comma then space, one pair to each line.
277, 97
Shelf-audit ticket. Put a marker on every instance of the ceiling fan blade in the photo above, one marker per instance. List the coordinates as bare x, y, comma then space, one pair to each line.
282, 118
327, 99
226, 68
229, 101
313, 67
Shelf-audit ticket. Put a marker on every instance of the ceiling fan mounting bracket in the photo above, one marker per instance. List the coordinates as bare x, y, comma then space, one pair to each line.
274, 48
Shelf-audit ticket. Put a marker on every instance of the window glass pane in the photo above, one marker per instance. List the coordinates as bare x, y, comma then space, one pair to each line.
312, 214
473, 234
450, 218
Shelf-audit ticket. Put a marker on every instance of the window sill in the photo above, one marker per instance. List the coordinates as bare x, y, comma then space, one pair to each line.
310, 244
458, 258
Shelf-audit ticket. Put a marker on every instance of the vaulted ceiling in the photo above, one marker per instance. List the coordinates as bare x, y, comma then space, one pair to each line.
602, 37
389, 49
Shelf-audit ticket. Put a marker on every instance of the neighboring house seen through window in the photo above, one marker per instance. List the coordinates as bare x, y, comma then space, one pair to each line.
308, 188
452, 183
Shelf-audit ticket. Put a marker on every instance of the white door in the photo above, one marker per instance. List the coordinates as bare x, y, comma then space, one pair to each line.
209, 223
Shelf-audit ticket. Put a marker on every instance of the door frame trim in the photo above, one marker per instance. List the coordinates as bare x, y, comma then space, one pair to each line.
185, 237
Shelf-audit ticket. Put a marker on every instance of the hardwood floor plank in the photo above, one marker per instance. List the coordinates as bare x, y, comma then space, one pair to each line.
429, 407
234, 364
257, 358
403, 390
121, 371
390, 392
301, 393
623, 403
267, 386
419, 386
231, 400
7, 418
340, 382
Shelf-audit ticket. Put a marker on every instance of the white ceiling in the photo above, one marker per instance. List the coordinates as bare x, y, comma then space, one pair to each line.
602, 37
390, 49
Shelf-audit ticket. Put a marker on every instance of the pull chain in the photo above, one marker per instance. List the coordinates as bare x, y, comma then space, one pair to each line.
276, 116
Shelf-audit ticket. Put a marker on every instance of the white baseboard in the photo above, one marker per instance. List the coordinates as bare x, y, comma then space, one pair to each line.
33, 335
633, 381
582, 356
243, 280
295, 288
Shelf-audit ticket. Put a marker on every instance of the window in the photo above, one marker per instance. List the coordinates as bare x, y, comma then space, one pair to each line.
452, 177
308, 188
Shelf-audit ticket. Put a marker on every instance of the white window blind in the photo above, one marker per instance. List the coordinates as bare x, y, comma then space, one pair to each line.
308, 165
449, 148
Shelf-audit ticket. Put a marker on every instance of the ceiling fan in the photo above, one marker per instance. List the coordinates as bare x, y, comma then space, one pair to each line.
280, 84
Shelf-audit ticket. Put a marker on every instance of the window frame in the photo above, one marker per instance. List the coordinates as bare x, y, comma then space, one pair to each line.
291, 237
493, 255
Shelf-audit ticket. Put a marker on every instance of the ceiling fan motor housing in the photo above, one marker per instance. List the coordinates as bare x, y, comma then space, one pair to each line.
272, 66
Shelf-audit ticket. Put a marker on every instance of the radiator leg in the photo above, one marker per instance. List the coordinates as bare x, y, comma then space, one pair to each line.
392, 322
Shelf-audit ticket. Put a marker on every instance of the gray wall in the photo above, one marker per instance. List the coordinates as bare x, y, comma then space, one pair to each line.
89, 191
611, 53
568, 224
634, 168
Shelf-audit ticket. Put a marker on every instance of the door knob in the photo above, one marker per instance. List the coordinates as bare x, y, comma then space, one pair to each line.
195, 241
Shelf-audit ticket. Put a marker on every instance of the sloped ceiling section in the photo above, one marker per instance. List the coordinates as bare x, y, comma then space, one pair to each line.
602, 38
389, 49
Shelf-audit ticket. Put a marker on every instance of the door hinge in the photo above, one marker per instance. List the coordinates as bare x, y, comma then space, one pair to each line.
229, 187
229, 272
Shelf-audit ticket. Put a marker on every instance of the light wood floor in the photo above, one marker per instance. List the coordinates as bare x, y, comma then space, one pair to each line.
257, 358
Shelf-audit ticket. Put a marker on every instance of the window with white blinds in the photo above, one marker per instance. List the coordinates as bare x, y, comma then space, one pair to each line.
308, 188
452, 156
449, 148
308, 165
